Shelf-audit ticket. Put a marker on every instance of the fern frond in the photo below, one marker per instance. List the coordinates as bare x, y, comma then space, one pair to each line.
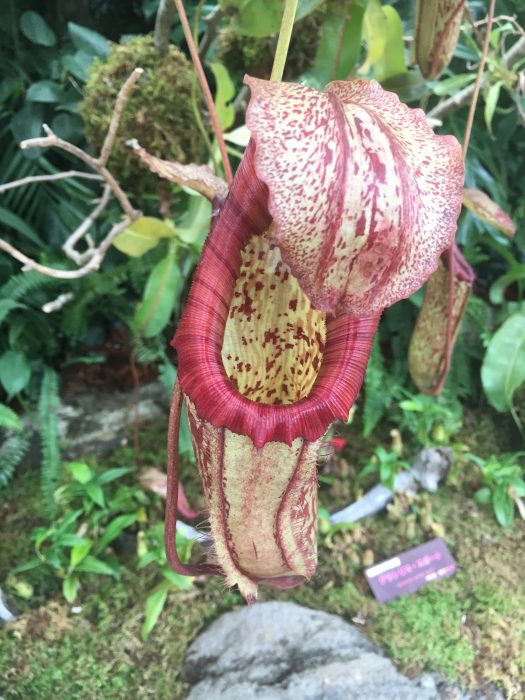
12, 451
47, 411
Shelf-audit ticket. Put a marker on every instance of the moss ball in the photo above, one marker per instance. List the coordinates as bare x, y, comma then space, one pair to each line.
158, 114
246, 54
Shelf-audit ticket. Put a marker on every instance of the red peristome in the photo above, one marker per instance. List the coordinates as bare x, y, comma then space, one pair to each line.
199, 337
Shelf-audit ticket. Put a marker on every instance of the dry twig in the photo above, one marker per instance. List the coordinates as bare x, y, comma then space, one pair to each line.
91, 258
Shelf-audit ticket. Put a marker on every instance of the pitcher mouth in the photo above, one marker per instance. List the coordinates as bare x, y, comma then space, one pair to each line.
341, 351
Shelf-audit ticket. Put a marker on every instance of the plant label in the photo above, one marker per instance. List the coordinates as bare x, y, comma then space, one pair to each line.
408, 571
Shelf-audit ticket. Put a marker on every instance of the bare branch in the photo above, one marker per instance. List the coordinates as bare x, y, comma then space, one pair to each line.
212, 22
163, 24
93, 264
122, 99
92, 257
52, 140
30, 179
81, 231
57, 303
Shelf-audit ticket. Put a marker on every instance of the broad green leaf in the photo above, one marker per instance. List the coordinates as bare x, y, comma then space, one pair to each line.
254, 18
80, 472
70, 588
92, 565
391, 63
114, 529
491, 101
78, 553
503, 505
35, 28
143, 235
15, 372
260, 19
89, 41
224, 94
503, 369
45, 91
340, 42
154, 605
154, 311
96, 493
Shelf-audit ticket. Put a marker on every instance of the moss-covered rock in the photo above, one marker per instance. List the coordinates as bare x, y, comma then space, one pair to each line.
159, 113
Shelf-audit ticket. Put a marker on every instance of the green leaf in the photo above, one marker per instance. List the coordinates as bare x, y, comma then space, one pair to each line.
491, 101
80, 472
7, 305
503, 505
27, 566
112, 474
70, 588
483, 495
450, 86
96, 493
15, 372
154, 311
14, 221
391, 63
375, 32
35, 28
89, 41
503, 369
114, 529
154, 606
498, 287
185, 583
224, 94
340, 42
45, 91
70, 539
9, 419
143, 235
92, 565
78, 553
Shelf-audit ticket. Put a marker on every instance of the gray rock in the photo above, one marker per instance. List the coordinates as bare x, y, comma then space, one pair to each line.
281, 651
97, 423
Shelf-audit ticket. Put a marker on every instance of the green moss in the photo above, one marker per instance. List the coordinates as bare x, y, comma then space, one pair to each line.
470, 627
159, 113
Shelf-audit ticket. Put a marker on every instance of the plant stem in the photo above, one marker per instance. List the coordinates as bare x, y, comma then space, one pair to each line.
285, 33
205, 88
479, 77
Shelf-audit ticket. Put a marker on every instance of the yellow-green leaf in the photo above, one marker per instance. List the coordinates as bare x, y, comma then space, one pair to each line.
160, 295
224, 94
143, 235
375, 31
392, 61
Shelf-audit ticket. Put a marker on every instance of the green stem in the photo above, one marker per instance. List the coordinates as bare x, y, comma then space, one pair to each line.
285, 33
